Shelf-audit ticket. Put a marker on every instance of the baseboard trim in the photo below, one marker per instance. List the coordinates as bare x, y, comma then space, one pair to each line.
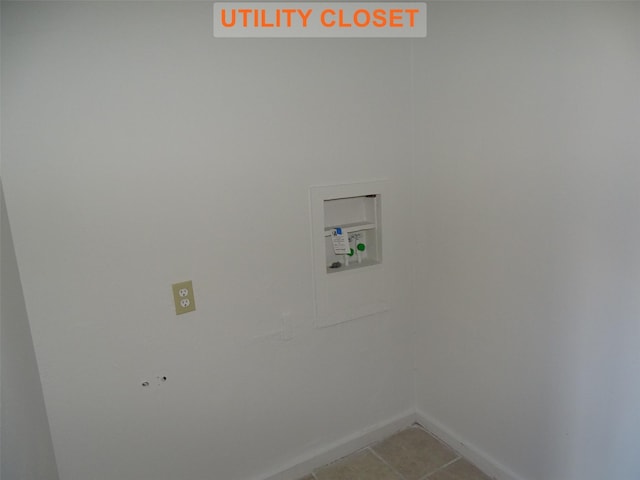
303, 465
472, 453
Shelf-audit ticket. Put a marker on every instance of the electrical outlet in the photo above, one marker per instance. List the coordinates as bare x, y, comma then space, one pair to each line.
183, 297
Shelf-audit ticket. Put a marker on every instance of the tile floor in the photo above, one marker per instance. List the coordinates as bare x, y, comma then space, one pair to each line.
412, 454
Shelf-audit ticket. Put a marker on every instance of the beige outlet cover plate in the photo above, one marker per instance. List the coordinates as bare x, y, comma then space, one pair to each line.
183, 297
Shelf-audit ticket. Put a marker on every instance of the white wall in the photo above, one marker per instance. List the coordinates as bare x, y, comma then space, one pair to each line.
138, 151
526, 192
1, 206
26, 452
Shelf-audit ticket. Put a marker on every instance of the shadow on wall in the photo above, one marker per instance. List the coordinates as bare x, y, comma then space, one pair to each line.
26, 451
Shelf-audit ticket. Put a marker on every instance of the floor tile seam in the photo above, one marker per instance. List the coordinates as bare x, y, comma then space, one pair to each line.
379, 457
440, 468
339, 460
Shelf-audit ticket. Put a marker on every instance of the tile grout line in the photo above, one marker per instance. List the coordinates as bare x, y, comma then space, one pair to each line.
439, 469
442, 467
386, 463
370, 449
356, 452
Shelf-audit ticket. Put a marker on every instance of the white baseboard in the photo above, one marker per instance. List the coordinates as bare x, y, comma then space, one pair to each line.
304, 464
476, 456
329, 453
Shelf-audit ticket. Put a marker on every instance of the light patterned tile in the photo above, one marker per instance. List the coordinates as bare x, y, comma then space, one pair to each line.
414, 453
359, 466
459, 470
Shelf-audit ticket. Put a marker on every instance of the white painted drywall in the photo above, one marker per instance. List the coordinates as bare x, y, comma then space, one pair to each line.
26, 452
526, 192
139, 151
1, 206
